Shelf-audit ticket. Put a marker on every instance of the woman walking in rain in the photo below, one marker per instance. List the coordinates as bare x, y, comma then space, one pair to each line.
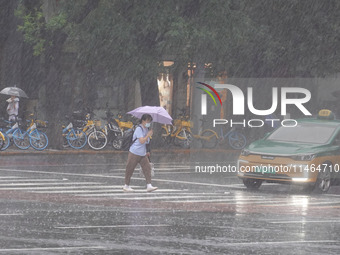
138, 154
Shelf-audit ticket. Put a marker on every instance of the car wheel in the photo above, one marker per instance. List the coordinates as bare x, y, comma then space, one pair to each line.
323, 183
252, 183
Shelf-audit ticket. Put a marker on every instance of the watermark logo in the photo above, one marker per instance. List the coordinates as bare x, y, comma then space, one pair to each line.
239, 99
204, 97
288, 96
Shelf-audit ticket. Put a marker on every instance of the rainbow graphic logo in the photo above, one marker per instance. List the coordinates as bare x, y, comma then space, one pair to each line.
204, 97
209, 93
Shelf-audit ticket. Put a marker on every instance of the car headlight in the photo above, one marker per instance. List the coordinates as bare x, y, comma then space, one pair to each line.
307, 157
245, 152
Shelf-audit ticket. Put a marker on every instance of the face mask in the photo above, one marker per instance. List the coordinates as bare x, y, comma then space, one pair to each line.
147, 125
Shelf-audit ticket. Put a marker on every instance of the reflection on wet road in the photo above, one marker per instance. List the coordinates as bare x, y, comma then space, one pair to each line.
79, 208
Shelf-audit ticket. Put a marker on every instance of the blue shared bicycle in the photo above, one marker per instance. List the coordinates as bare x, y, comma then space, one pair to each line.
37, 138
23, 139
235, 138
75, 137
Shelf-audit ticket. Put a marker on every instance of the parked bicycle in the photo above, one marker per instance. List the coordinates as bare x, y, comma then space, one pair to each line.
11, 126
96, 138
234, 137
36, 137
74, 136
2, 139
181, 134
115, 129
22, 138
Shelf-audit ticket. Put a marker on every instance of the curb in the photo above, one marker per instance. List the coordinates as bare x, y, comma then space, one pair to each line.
30, 151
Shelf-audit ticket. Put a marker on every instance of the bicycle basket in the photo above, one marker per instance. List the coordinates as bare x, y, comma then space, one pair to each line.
127, 124
187, 123
41, 123
177, 122
97, 123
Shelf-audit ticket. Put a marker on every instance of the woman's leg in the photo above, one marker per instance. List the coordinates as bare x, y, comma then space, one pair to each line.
131, 164
146, 167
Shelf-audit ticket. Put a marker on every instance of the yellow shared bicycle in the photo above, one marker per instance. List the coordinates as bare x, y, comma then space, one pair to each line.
2, 140
181, 134
96, 138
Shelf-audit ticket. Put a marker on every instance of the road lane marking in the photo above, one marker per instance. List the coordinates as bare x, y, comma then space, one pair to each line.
11, 177
58, 187
150, 198
303, 205
10, 214
231, 200
170, 191
113, 226
83, 188
46, 183
157, 172
331, 195
123, 168
305, 221
123, 177
53, 249
30, 180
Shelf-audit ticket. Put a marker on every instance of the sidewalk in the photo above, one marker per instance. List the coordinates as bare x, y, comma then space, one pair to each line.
176, 154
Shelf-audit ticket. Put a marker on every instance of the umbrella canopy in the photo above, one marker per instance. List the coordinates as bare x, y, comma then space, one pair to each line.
13, 91
159, 114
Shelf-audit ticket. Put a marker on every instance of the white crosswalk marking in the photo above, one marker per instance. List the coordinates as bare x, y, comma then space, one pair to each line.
28, 180
84, 189
102, 190
97, 189
77, 186
45, 184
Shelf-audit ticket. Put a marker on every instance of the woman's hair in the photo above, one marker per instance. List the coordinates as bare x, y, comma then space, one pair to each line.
146, 117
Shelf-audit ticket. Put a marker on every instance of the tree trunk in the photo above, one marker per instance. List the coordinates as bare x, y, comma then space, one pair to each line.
150, 96
149, 90
55, 105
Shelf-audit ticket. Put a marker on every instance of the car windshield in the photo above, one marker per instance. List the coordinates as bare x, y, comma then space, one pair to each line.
303, 133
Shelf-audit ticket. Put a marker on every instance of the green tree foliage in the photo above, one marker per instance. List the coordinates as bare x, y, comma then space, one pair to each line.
37, 31
248, 38
301, 38
131, 38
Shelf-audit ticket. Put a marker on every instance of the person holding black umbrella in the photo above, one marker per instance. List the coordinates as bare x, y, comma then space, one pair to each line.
12, 108
13, 102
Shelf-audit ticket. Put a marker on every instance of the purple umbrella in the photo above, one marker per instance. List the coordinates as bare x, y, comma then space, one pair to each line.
159, 114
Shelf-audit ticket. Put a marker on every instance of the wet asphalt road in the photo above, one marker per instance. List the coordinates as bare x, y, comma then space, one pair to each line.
74, 204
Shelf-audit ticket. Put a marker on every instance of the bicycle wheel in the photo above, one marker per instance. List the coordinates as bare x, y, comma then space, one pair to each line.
21, 140
117, 142
76, 138
237, 140
97, 140
2, 140
6, 143
209, 139
38, 140
166, 139
184, 139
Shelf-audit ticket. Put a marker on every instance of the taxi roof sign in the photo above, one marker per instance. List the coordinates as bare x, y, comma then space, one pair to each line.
326, 114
